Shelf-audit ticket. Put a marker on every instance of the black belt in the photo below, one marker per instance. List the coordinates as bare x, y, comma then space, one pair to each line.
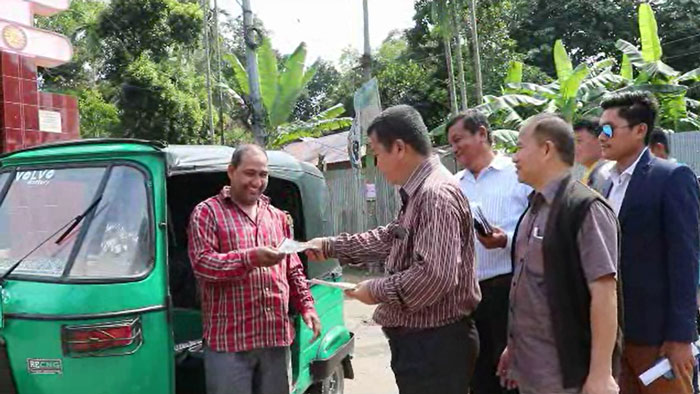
398, 331
497, 281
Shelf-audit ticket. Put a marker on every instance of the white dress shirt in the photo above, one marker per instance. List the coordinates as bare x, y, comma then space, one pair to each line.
503, 199
620, 182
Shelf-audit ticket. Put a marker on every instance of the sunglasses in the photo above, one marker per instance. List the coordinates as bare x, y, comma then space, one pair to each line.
608, 130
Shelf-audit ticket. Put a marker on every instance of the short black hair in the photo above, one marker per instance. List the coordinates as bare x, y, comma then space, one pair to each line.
590, 125
241, 150
401, 122
658, 136
552, 127
471, 120
635, 107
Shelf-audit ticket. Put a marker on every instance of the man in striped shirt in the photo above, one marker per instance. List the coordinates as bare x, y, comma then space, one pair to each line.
426, 299
490, 182
246, 284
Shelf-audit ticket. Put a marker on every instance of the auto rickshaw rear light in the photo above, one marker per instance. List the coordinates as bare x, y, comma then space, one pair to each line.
103, 339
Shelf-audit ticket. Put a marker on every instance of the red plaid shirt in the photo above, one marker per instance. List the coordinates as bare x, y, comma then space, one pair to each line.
244, 307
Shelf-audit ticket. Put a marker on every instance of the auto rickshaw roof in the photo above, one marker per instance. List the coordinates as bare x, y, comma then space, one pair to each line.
180, 158
195, 158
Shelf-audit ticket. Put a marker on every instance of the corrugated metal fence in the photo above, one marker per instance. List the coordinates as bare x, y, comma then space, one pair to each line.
348, 206
685, 147
350, 210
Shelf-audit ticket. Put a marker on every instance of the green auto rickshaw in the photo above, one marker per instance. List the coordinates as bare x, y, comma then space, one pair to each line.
97, 291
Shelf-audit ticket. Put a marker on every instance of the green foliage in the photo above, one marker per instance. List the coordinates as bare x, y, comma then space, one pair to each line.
626, 71
505, 140
515, 73
323, 91
159, 101
651, 46
324, 122
280, 89
593, 27
579, 90
659, 78
562, 63
98, 118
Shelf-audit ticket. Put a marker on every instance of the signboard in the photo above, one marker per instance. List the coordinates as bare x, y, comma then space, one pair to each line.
18, 34
50, 121
355, 145
370, 191
367, 107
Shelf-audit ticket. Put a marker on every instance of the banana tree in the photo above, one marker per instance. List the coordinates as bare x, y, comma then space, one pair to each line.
280, 90
677, 112
576, 92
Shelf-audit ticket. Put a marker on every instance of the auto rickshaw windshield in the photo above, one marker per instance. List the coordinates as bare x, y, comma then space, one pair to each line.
112, 242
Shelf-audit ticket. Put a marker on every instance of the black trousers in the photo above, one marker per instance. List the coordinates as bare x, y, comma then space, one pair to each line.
491, 319
436, 360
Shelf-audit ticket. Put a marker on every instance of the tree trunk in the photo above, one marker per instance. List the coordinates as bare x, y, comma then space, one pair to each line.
450, 75
259, 132
460, 57
475, 53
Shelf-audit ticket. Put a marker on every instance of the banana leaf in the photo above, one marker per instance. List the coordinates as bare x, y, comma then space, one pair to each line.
330, 113
438, 131
533, 89
692, 104
603, 65
552, 107
513, 100
656, 89
269, 75
692, 75
504, 105
569, 88
515, 73
562, 62
651, 45
290, 86
505, 139
659, 68
603, 80
239, 74
633, 54
296, 130
626, 71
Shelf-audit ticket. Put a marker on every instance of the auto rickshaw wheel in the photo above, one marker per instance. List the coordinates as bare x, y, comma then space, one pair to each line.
334, 384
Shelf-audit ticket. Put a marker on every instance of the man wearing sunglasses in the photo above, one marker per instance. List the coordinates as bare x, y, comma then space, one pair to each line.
658, 205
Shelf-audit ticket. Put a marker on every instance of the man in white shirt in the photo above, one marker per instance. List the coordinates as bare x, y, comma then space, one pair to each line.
490, 183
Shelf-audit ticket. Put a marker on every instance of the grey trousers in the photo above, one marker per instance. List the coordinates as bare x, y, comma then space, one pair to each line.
259, 371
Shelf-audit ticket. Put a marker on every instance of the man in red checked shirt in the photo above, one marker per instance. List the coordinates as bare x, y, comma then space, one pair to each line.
246, 284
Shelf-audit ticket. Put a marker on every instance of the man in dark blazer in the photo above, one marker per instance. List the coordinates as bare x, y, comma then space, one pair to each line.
658, 205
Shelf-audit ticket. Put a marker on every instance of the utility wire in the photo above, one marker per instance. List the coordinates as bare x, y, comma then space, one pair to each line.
682, 39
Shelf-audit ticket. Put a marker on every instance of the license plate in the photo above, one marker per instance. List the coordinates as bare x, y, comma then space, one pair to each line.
44, 366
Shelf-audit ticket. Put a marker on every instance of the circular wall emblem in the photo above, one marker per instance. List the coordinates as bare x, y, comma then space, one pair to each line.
14, 37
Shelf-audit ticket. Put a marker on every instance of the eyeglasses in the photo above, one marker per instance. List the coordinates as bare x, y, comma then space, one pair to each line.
608, 130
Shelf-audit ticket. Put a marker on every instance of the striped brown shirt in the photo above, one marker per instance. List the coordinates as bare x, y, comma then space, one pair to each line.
429, 250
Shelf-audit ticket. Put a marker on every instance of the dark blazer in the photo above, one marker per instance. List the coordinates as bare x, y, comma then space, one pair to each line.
660, 226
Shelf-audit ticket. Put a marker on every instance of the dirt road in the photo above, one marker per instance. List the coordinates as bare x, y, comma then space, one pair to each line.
371, 362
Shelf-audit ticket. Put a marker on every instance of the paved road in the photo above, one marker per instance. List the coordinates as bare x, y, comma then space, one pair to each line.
372, 358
